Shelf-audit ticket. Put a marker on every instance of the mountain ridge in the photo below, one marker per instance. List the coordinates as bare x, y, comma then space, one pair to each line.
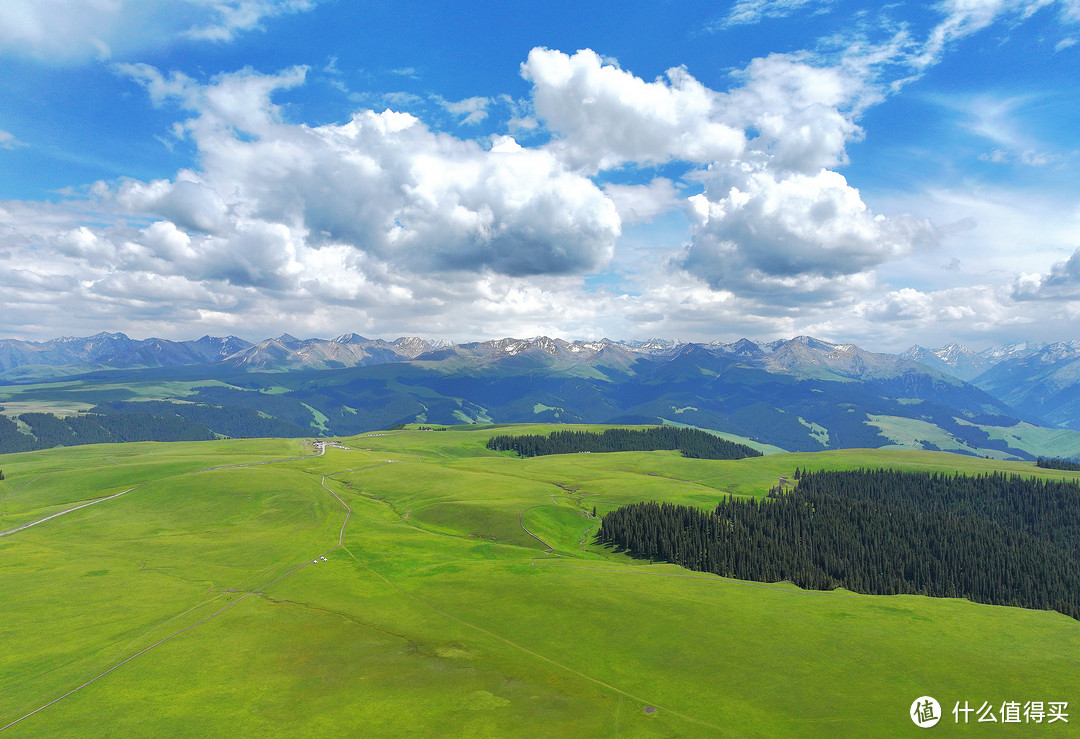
797, 394
1034, 382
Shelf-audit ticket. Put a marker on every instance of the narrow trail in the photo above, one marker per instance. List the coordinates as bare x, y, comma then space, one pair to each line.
158, 643
254, 591
320, 453
537, 655
541, 561
69, 510
117, 495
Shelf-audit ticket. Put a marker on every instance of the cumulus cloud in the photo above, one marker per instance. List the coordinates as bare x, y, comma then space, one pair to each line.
803, 113
383, 220
74, 31
604, 116
775, 218
254, 279
797, 115
383, 213
375, 221
37, 282
972, 313
1062, 282
185, 202
799, 233
380, 200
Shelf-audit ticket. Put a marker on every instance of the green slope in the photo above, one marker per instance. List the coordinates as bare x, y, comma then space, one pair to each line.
442, 614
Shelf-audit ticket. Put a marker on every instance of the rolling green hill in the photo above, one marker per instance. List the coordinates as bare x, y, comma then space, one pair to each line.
460, 594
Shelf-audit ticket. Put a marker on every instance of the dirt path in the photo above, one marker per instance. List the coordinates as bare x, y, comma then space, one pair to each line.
321, 452
254, 591
69, 510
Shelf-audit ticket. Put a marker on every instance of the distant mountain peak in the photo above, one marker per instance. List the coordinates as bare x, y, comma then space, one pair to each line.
351, 338
413, 346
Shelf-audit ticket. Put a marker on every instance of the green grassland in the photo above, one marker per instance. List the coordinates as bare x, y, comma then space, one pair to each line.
465, 599
70, 397
1037, 440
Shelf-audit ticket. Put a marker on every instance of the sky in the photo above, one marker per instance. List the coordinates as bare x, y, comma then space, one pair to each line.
700, 171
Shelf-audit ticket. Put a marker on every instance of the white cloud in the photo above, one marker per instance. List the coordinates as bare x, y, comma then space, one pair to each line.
369, 207
185, 202
997, 156
473, 109
774, 219
962, 18
228, 17
1062, 282
382, 221
747, 12
8, 140
796, 235
1028, 157
643, 203
604, 116
1002, 232
74, 31
799, 114
1001, 121
373, 222
965, 17
803, 114
976, 314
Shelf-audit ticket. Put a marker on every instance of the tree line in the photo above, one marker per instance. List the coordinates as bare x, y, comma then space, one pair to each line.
45, 431
151, 420
993, 538
692, 443
1057, 464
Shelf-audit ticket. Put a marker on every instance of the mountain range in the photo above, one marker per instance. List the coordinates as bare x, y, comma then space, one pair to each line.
795, 394
1039, 380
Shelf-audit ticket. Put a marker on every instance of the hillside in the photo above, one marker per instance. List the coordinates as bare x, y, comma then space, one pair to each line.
437, 588
1043, 384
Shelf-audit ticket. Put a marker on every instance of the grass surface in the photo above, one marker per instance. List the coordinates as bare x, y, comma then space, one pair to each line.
1037, 440
442, 613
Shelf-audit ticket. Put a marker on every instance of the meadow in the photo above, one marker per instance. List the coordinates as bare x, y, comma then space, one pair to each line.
461, 594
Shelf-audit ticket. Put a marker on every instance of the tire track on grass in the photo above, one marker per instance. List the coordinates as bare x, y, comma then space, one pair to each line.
69, 510
215, 614
117, 495
533, 653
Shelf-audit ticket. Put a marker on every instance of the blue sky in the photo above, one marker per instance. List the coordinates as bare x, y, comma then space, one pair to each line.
762, 168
